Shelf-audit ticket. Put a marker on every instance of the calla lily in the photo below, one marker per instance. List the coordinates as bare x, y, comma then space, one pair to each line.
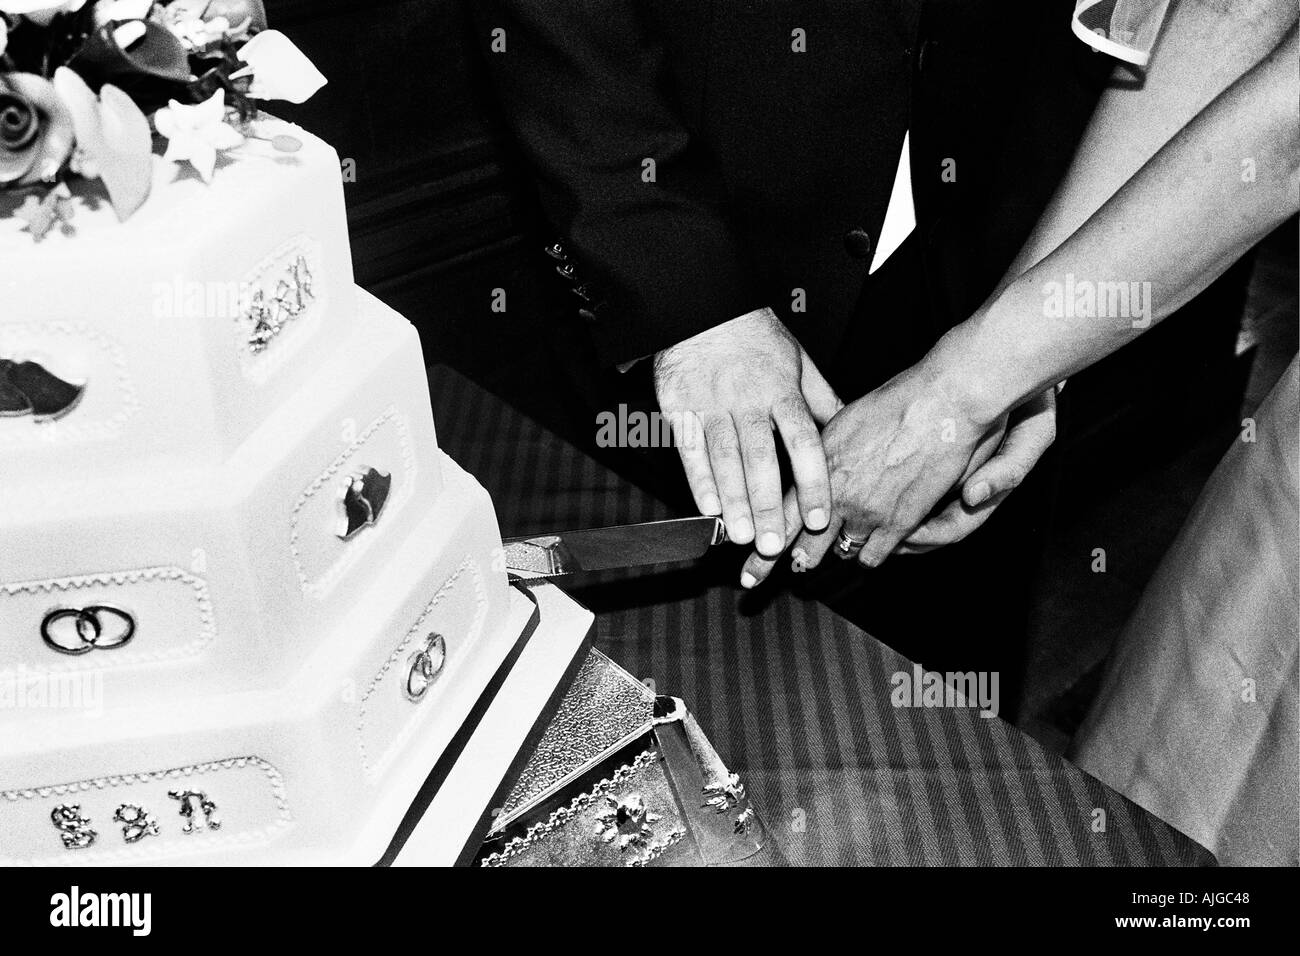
279, 69
125, 53
114, 138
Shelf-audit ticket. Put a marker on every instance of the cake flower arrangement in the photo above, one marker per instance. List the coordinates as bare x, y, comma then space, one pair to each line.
88, 87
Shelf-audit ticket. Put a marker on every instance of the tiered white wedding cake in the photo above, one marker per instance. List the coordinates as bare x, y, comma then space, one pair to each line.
245, 600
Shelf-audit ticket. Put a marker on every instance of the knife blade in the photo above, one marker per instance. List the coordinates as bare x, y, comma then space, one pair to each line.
604, 549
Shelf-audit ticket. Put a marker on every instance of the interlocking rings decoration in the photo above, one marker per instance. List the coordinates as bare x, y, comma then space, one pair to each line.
424, 666
77, 631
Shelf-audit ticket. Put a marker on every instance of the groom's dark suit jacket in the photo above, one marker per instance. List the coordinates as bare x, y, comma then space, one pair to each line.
772, 173
772, 168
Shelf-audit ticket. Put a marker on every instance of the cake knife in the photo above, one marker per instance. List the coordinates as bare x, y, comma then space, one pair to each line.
604, 549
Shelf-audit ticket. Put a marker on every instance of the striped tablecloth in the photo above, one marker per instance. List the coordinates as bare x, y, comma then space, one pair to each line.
797, 700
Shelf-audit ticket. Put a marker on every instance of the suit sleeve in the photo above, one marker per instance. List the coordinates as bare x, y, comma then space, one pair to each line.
581, 87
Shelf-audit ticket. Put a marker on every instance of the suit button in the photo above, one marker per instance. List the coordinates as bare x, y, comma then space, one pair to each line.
567, 270
557, 251
857, 242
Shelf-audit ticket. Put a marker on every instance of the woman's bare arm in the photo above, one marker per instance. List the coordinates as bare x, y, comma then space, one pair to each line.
1204, 47
1206, 197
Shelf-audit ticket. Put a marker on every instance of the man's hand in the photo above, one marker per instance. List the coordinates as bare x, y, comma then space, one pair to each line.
725, 391
897, 453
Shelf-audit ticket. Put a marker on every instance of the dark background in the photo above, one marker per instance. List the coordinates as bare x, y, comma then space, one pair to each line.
441, 215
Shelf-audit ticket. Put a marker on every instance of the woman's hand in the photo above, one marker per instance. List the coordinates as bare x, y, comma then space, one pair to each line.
896, 454
1030, 432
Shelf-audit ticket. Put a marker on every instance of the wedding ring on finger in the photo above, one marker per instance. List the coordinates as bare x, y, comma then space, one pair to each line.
848, 547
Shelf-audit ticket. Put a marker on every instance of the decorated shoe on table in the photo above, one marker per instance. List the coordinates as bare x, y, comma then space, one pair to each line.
623, 777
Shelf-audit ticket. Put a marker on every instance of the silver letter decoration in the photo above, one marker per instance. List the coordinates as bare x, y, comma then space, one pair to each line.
74, 829
136, 822
293, 294
362, 501
188, 800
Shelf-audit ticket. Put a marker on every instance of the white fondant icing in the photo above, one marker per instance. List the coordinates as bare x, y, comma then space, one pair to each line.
253, 808
210, 471
385, 723
164, 288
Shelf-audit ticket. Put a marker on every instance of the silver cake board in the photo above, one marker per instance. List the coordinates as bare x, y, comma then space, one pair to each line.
448, 821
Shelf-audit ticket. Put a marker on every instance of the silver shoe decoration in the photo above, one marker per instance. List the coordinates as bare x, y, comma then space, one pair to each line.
362, 501
29, 389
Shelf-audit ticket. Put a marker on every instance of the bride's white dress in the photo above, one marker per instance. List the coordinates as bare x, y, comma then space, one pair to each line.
1197, 718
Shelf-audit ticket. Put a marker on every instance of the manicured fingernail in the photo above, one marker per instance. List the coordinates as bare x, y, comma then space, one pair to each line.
980, 493
711, 506
817, 519
742, 532
799, 560
748, 581
770, 543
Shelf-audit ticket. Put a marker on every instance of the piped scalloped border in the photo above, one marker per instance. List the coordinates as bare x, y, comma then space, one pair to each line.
148, 851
